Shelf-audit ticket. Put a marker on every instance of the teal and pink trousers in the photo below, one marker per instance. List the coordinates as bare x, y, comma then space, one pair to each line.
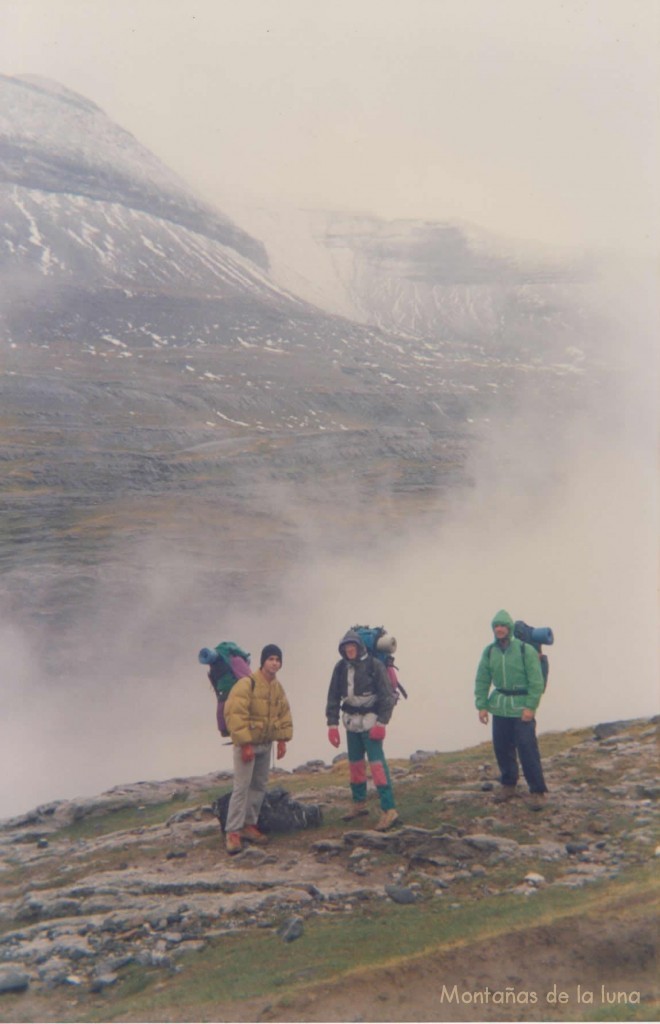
359, 744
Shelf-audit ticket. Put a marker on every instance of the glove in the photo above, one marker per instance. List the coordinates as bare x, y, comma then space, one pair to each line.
247, 753
281, 749
377, 732
333, 735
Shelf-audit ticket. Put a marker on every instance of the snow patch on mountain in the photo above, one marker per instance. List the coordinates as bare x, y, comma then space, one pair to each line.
54, 140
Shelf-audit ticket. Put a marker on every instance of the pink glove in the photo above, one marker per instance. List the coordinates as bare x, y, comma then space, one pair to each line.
247, 753
333, 735
281, 749
377, 732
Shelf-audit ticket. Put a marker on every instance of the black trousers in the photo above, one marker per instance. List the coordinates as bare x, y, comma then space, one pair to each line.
513, 738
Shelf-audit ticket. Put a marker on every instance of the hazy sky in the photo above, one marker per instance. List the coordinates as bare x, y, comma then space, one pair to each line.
535, 118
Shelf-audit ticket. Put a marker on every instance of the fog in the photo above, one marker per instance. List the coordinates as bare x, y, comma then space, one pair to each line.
538, 120
559, 526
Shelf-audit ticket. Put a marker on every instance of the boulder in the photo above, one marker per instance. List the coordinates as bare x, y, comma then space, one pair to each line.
13, 981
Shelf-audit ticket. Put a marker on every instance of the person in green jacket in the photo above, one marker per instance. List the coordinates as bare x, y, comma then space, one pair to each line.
509, 686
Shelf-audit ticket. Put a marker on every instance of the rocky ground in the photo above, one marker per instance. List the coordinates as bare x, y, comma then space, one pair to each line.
138, 877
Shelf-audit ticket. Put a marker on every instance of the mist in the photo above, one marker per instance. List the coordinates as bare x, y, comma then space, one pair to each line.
535, 120
558, 526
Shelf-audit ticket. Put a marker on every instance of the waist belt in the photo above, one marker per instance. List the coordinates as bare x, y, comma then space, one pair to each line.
511, 693
352, 710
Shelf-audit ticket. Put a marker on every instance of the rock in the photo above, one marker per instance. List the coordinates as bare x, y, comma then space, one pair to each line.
576, 847
648, 790
375, 840
251, 857
54, 972
492, 844
606, 729
333, 847
291, 929
535, 879
422, 755
546, 850
13, 981
311, 766
401, 894
73, 947
102, 981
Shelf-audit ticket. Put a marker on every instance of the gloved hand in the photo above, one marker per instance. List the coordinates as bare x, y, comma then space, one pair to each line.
333, 735
247, 753
377, 732
281, 749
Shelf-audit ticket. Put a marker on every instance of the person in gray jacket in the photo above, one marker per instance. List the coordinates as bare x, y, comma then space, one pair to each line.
362, 693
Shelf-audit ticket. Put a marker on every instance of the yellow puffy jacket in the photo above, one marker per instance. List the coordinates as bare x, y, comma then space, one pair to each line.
259, 713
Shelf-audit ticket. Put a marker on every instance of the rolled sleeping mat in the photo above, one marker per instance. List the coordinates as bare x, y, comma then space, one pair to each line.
386, 643
207, 656
239, 666
542, 635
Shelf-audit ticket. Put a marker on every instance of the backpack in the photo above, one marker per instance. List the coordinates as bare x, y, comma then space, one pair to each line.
381, 645
536, 636
279, 812
227, 664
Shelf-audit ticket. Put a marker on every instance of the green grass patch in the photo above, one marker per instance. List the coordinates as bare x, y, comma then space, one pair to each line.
130, 818
648, 1010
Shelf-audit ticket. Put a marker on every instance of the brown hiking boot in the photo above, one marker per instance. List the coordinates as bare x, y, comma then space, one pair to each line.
233, 843
536, 801
252, 835
504, 793
358, 810
386, 820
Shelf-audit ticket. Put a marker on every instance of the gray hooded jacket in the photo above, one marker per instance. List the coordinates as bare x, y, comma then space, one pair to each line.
360, 689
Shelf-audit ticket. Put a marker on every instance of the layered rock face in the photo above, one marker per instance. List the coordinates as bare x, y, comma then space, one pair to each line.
155, 372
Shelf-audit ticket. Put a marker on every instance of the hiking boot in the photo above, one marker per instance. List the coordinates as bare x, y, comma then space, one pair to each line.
504, 793
233, 843
536, 801
357, 811
252, 835
386, 820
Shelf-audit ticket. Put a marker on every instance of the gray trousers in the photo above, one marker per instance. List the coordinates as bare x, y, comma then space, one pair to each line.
250, 781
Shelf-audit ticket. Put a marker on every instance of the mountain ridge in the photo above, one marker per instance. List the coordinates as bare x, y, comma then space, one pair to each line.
53, 140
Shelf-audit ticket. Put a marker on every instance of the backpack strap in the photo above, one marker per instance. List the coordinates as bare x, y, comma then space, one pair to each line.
344, 705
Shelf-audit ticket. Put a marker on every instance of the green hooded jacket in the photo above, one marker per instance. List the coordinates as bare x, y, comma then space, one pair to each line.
515, 668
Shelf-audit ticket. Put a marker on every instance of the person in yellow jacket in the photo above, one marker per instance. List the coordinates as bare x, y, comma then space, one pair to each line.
257, 713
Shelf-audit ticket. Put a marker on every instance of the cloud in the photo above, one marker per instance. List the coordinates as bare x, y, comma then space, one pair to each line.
537, 120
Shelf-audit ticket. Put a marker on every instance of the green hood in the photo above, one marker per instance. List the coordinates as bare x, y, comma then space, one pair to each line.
502, 618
